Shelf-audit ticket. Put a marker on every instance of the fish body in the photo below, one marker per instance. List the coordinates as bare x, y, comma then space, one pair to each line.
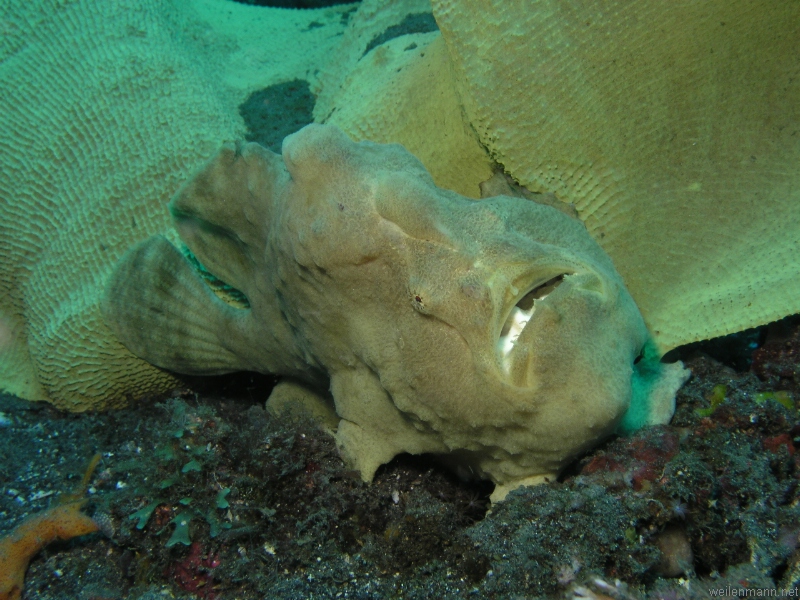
494, 333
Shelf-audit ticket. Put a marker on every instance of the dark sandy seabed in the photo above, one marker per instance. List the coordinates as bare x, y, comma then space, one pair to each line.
203, 494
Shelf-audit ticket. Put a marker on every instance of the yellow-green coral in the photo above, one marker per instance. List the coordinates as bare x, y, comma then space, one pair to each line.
680, 160
105, 113
670, 125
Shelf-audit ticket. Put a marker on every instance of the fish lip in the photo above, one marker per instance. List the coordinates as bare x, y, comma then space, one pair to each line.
522, 305
517, 317
580, 279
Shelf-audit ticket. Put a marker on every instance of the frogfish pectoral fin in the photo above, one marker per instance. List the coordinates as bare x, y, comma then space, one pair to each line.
162, 311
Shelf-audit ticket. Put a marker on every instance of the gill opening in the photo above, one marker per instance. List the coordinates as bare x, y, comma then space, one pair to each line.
225, 292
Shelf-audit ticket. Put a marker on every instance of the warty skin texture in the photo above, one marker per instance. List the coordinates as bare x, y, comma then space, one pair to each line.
367, 282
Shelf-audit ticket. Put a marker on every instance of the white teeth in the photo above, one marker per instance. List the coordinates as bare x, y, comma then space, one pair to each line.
516, 323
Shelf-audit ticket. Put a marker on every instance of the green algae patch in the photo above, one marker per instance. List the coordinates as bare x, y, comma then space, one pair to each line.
222, 501
715, 398
180, 534
190, 466
142, 516
782, 397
